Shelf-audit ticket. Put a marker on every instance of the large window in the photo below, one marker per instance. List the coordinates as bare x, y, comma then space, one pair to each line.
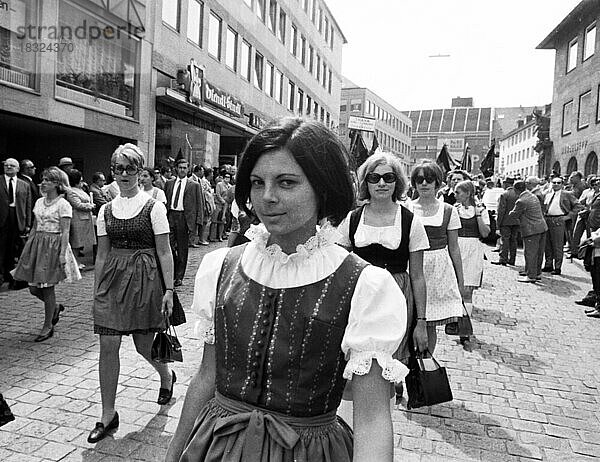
300, 102
214, 35
272, 19
17, 63
260, 9
231, 49
567, 118
194, 26
105, 68
303, 50
294, 40
291, 95
572, 55
589, 44
269, 79
584, 113
311, 59
245, 60
170, 13
258, 70
279, 87
281, 28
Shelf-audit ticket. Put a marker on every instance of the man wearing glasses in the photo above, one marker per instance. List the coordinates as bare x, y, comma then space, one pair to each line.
560, 206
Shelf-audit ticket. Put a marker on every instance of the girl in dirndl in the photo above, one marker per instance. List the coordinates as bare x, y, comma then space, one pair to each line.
442, 263
289, 316
475, 224
47, 258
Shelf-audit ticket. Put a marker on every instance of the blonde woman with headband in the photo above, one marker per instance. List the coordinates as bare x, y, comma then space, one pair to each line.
133, 289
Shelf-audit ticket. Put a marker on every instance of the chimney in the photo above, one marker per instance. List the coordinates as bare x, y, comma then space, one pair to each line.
528, 119
520, 123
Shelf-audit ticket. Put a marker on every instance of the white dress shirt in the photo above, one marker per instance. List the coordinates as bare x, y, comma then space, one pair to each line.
179, 205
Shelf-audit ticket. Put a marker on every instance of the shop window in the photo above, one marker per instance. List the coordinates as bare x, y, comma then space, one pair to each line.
589, 43
572, 165
291, 95
170, 13
231, 47
19, 50
258, 70
281, 28
104, 67
194, 26
272, 19
245, 60
591, 164
214, 35
585, 110
269, 79
572, 55
567, 118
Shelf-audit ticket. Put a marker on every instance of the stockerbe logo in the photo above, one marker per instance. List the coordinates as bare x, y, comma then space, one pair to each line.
222, 100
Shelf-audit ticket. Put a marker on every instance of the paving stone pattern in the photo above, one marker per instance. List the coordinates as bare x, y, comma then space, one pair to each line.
526, 388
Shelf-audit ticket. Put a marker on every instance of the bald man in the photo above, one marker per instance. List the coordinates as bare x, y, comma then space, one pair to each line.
15, 216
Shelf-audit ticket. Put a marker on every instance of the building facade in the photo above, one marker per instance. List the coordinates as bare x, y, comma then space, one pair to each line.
392, 128
458, 127
575, 123
178, 77
517, 150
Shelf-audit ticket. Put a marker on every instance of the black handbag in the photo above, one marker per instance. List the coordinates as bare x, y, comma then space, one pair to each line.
426, 388
177, 317
166, 347
5, 414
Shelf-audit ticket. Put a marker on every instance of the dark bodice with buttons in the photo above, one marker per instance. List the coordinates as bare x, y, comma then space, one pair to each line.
469, 227
132, 233
280, 349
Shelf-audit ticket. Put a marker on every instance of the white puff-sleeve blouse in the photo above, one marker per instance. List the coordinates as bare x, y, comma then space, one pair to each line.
377, 319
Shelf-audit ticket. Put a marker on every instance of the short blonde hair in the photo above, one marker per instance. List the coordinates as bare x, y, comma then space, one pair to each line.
130, 152
382, 158
58, 176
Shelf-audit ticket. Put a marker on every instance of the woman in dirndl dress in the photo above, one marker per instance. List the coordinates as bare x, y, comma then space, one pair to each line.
442, 263
388, 235
47, 258
147, 178
475, 225
133, 289
289, 316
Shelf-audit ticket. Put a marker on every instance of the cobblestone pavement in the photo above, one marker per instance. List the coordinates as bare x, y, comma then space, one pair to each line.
526, 388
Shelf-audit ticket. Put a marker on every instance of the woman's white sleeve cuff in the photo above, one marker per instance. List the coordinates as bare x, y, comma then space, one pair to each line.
360, 363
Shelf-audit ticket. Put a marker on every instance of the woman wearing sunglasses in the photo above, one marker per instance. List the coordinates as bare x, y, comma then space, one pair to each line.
442, 263
389, 236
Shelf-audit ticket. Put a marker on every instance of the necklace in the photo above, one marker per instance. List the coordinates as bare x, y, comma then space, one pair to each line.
48, 203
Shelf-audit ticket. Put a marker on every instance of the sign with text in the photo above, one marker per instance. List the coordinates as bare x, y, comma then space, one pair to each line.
361, 123
454, 145
222, 100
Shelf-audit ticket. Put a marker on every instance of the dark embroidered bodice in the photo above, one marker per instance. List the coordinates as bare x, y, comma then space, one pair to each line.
438, 235
280, 349
132, 233
469, 227
393, 260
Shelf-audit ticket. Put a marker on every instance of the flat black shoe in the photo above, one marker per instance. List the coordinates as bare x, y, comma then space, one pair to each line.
56, 316
593, 314
590, 311
591, 302
100, 431
164, 394
42, 338
556, 272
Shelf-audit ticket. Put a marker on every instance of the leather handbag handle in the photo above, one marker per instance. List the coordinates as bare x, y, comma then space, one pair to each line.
420, 360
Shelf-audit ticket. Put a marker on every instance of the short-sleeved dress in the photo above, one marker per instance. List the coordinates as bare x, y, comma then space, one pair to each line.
388, 247
39, 263
444, 302
471, 248
130, 288
288, 331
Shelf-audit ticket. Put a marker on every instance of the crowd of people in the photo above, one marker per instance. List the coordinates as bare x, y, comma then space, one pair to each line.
327, 289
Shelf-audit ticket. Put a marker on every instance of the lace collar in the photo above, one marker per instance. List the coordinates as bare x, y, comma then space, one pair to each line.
325, 235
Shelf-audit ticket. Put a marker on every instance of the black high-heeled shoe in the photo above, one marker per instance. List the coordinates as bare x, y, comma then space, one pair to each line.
42, 338
164, 394
56, 316
100, 431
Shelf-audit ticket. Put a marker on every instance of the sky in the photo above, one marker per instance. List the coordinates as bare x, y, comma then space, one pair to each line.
491, 43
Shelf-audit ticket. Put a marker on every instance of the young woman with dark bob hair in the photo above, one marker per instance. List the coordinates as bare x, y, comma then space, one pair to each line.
288, 317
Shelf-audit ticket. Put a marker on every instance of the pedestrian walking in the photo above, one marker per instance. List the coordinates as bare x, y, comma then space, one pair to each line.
133, 288
147, 178
447, 193
388, 235
47, 258
82, 234
217, 226
475, 225
442, 264
297, 315
509, 227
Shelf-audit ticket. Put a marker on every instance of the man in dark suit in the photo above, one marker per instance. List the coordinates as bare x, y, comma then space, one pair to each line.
509, 226
26, 173
185, 205
528, 210
560, 207
15, 216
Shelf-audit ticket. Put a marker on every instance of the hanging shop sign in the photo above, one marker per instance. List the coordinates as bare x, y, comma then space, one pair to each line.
190, 81
361, 123
222, 100
256, 121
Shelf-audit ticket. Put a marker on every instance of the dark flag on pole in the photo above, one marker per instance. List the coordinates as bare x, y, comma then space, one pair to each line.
467, 161
444, 161
359, 150
487, 165
374, 146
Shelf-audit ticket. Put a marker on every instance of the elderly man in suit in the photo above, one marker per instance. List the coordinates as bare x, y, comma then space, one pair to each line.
185, 204
528, 210
509, 226
560, 206
15, 216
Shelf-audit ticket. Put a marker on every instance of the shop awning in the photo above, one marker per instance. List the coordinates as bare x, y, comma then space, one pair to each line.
230, 126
